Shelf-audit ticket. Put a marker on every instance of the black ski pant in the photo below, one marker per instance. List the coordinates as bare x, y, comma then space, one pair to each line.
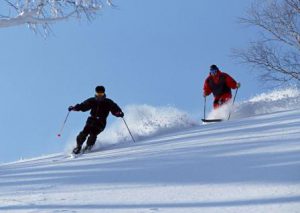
92, 129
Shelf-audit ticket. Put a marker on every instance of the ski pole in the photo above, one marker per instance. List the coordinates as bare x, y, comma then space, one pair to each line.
128, 130
204, 107
232, 103
63, 126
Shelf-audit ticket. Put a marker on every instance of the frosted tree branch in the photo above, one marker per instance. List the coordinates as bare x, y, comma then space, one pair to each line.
277, 52
42, 13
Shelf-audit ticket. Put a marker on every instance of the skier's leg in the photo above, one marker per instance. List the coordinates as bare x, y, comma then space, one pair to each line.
225, 98
82, 136
216, 103
80, 139
93, 136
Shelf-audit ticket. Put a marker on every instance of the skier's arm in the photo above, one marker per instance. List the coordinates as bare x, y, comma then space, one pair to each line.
84, 106
115, 109
230, 82
206, 88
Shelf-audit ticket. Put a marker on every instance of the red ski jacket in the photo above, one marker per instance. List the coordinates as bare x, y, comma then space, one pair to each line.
220, 85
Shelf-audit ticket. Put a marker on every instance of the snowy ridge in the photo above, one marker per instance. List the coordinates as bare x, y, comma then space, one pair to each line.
265, 103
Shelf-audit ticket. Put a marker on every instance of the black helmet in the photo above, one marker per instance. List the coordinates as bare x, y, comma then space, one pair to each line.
100, 89
214, 67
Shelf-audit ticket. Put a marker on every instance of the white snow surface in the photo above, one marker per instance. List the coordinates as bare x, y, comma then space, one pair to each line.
248, 164
281, 99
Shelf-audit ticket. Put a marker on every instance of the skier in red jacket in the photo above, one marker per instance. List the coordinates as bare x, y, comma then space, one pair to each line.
220, 84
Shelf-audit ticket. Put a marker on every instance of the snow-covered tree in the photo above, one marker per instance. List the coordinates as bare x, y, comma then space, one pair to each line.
277, 51
39, 14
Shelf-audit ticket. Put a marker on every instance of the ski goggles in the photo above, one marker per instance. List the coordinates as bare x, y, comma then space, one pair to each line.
100, 94
213, 71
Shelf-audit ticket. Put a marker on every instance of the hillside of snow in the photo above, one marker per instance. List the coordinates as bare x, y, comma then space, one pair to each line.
248, 164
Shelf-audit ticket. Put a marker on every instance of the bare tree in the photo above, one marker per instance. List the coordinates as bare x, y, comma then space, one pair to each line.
277, 51
39, 14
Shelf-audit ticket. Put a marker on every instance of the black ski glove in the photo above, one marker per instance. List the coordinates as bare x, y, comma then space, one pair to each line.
71, 108
120, 114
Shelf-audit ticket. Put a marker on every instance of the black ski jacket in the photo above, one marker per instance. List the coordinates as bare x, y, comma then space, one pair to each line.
100, 108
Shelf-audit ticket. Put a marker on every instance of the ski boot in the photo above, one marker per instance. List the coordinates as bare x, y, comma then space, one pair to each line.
76, 150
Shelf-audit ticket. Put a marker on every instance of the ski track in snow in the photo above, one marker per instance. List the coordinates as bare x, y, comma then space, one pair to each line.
249, 164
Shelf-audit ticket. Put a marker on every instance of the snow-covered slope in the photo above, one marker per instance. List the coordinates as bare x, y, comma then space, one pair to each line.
249, 164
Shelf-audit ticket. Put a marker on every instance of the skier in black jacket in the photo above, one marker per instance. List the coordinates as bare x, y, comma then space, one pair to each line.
100, 107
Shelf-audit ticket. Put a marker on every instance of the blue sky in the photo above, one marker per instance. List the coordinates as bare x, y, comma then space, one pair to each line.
145, 52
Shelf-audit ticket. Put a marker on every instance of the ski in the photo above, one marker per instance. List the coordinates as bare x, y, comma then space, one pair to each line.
73, 156
211, 120
83, 152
